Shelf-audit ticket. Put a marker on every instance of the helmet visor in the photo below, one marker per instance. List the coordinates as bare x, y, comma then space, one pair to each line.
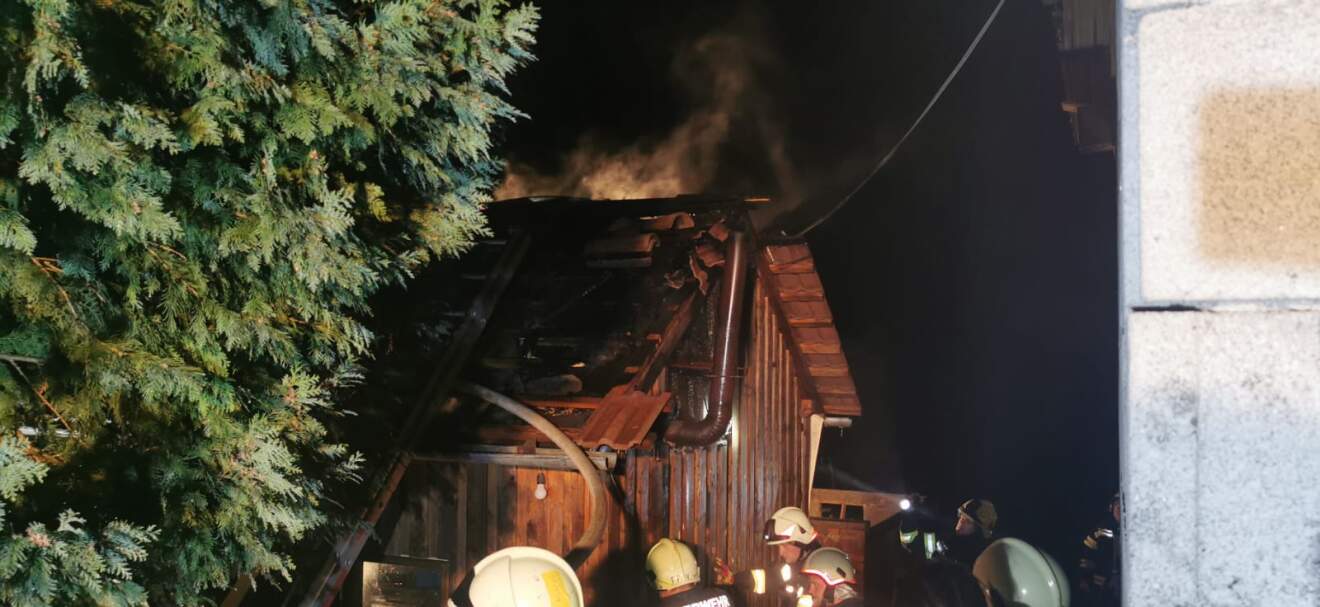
771, 536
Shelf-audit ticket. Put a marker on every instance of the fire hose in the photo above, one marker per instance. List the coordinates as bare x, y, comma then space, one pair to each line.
596, 526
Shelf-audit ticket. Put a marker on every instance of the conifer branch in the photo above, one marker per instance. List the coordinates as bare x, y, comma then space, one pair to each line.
50, 268
224, 130
41, 396
170, 251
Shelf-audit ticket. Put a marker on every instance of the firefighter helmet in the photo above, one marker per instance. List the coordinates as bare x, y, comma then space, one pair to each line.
672, 564
1023, 575
523, 576
981, 512
789, 525
830, 565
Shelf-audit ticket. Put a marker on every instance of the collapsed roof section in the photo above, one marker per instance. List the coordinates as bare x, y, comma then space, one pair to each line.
608, 324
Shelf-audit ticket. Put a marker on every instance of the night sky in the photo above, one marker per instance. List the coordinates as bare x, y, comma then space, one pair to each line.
974, 280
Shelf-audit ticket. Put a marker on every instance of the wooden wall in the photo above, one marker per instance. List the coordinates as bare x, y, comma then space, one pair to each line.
715, 498
876, 507
848, 536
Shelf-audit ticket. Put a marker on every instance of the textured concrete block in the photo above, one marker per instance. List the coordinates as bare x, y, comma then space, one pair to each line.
1136, 5
1228, 117
1222, 456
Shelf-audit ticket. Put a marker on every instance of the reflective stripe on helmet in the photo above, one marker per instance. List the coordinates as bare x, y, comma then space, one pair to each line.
555, 589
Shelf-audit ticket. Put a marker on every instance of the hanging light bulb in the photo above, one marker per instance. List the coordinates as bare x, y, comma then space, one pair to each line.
540, 492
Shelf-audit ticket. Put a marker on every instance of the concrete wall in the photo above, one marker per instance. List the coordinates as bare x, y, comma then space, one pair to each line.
1220, 185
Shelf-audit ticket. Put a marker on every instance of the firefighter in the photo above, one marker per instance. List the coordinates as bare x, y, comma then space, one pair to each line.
831, 579
1099, 566
521, 576
974, 530
677, 577
919, 536
790, 531
1018, 574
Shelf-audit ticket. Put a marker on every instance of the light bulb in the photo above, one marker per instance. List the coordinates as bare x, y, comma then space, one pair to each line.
540, 492
905, 504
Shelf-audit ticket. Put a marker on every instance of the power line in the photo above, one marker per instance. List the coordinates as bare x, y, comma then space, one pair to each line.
938, 93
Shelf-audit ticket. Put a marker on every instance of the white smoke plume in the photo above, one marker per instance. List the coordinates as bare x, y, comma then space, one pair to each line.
718, 72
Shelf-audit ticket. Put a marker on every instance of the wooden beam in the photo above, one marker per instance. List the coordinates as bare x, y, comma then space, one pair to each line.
325, 586
794, 267
808, 313
842, 405
516, 435
590, 403
702, 366
542, 459
561, 402
669, 340
828, 371
800, 287
820, 347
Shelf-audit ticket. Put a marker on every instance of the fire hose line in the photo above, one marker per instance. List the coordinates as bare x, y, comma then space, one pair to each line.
596, 526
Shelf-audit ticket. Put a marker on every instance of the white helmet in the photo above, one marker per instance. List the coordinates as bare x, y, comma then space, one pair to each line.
831, 565
1022, 575
789, 525
672, 564
523, 576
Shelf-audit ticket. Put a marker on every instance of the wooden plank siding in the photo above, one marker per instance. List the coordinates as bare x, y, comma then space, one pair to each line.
715, 497
848, 536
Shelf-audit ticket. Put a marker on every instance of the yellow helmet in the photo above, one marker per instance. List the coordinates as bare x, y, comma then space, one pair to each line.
672, 564
523, 576
1022, 575
789, 525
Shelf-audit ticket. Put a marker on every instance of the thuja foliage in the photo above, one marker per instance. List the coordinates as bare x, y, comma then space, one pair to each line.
197, 198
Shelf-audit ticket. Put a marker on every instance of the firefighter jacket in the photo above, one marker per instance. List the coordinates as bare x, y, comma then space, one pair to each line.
700, 597
1099, 566
964, 549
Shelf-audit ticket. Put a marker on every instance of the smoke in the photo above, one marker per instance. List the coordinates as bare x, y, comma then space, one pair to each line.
719, 73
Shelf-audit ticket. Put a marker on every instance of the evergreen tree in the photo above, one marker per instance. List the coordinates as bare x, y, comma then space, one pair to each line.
197, 198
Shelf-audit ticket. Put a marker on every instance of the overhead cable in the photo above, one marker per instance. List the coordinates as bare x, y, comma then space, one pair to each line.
885, 160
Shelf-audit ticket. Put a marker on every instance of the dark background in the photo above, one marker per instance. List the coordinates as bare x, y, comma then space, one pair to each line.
974, 280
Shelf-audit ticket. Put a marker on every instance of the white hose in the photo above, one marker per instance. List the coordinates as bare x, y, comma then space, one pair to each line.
596, 527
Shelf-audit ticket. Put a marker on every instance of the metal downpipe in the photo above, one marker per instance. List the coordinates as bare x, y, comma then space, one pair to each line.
723, 380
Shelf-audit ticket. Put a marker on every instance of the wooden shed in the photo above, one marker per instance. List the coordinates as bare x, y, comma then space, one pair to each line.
607, 317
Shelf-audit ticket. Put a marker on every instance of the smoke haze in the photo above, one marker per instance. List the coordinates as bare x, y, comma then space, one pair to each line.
718, 72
